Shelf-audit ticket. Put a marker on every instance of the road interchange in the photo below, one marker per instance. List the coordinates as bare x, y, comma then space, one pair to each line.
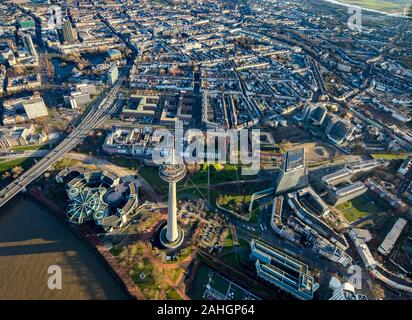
98, 114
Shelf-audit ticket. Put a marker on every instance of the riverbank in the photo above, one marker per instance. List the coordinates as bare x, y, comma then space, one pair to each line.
32, 239
89, 236
340, 3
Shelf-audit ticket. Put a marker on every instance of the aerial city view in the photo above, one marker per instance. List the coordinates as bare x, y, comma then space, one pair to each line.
206, 150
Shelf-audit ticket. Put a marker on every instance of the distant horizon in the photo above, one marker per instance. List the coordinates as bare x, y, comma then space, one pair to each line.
396, 6
369, 5
206, 151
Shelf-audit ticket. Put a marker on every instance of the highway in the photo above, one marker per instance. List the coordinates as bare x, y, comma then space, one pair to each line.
101, 111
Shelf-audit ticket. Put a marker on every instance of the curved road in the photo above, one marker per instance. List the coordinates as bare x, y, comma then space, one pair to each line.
100, 111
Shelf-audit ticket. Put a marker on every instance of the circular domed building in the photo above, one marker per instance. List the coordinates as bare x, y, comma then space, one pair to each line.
98, 195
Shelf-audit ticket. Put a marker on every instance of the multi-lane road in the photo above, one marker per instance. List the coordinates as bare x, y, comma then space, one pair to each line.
100, 111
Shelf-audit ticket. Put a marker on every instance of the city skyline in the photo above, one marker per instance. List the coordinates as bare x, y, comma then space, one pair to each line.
289, 129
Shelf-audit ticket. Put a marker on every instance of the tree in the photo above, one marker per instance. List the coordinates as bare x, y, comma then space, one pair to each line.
5, 175
378, 291
16, 171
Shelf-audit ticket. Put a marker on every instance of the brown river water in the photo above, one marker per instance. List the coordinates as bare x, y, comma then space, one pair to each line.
31, 240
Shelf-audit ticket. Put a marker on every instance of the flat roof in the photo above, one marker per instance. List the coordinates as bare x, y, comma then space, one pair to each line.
336, 175
393, 235
294, 159
289, 261
353, 187
314, 196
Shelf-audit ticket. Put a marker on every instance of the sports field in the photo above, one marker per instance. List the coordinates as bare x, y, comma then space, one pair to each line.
220, 287
210, 285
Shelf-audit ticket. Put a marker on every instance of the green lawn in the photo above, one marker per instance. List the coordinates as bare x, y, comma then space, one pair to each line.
192, 193
65, 163
243, 243
173, 274
116, 251
240, 205
376, 222
171, 294
25, 163
235, 202
181, 255
390, 156
354, 214
91, 144
236, 255
228, 241
219, 173
357, 208
146, 268
30, 147
151, 174
184, 253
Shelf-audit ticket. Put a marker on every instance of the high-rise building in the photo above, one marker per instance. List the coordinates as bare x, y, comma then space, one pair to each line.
28, 44
112, 74
292, 170
69, 33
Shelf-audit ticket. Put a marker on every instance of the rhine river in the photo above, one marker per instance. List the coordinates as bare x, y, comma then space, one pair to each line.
31, 240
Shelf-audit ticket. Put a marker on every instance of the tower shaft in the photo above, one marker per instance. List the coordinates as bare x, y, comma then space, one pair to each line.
172, 233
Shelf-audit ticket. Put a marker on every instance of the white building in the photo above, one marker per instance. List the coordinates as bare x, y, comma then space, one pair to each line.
406, 166
112, 74
360, 239
24, 109
387, 245
344, 291
77, 99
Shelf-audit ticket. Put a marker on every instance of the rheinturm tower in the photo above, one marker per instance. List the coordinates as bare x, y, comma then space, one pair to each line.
172, 173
